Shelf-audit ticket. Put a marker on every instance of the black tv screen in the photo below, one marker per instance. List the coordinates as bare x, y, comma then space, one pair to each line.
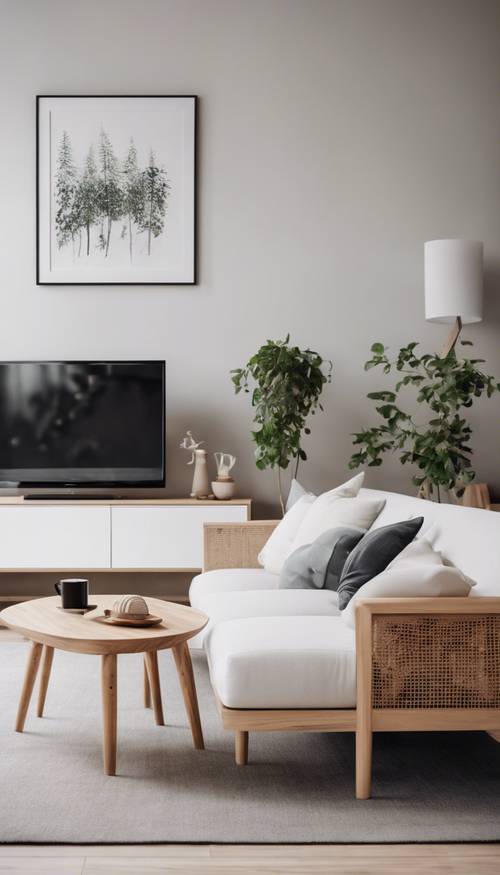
82, 423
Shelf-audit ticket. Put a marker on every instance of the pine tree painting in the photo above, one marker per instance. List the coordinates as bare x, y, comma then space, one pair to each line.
91, 199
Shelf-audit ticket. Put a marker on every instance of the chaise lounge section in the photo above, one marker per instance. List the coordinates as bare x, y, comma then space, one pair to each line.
285, 660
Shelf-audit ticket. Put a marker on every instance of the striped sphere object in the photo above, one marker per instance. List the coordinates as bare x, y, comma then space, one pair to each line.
131, 606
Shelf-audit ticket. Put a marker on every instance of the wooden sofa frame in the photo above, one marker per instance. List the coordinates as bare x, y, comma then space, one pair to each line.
422, 663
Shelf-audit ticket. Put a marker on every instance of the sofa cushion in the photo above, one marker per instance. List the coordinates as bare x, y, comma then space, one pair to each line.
467, 537
296, 491
257, 603
279, 544
358, 512
230, 580
373, 554
320, 564
407, 581
283, 662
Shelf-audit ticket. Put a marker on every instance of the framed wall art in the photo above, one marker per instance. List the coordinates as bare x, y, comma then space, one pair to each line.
116, 190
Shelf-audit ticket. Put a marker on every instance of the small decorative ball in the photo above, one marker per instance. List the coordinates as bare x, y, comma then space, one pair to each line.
131, 605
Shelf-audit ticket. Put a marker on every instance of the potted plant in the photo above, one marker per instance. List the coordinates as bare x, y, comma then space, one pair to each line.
439, 447
288, 383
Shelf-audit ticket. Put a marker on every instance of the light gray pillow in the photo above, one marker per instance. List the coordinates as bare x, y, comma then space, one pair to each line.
319, 565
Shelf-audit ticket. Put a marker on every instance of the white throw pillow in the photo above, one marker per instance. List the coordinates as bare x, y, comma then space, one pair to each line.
296, 491
419, 550
277, 547
330, 511
275, 550
410, 580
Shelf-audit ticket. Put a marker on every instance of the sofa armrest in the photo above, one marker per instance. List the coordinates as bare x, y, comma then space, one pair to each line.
428, 653
235, 545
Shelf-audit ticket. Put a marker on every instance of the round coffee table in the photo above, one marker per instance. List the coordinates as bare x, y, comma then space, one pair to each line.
48, 627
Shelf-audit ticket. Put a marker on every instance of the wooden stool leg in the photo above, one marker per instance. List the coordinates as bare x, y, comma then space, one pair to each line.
29, 681
147, 690
186, 679
151, 660
48, 655
241, 747
109, 707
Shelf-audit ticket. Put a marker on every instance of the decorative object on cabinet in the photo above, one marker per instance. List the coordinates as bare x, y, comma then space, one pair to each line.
200, 488
223, 487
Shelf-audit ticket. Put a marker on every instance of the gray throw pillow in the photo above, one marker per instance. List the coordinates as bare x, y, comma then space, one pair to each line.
373, 554
319, 565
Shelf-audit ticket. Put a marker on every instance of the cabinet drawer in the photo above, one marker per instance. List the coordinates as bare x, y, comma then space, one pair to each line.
165, 537
55, 537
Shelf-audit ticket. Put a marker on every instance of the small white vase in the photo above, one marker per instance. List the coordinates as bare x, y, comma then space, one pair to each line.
200, 488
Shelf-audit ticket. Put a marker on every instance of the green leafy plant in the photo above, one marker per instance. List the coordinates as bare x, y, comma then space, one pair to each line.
288, 384
440, 447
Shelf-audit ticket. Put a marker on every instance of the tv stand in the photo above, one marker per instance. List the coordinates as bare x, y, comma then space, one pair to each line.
90, 535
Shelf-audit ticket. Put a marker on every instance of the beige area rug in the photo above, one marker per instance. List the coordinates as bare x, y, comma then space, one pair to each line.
297, 787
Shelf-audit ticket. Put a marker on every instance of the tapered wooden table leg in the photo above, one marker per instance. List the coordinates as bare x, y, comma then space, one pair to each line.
109, 706
29, 681
147, 691
151, 660
186, 678
48, 655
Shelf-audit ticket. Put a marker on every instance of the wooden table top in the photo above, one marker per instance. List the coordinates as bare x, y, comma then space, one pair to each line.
42, 620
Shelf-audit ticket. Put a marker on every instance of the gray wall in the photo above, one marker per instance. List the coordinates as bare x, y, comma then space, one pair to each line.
336, 136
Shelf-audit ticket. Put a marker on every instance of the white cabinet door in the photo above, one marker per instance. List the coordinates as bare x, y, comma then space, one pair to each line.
165, 537
69, 538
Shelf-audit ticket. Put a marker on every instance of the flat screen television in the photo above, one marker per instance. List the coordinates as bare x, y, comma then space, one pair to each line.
82, 424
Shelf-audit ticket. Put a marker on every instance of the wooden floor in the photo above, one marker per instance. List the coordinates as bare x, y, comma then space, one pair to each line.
249, 859
481, 859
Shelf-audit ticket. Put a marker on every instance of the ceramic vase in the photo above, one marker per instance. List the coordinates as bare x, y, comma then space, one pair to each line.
224, 489
200, 488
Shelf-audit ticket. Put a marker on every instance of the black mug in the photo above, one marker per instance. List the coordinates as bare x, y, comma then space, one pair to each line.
74, 592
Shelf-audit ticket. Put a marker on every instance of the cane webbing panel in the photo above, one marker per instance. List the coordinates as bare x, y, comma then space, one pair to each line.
436, 661
235, 545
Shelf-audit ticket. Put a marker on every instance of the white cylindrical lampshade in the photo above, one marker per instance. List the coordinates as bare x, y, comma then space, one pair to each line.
454, 280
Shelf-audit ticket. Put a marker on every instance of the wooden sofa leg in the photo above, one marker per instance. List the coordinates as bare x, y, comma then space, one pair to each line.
241, 747
364, 744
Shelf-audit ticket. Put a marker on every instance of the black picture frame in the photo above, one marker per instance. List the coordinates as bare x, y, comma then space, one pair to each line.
195, 206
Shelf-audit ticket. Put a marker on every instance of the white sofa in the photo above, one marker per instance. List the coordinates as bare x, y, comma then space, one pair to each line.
273, 651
